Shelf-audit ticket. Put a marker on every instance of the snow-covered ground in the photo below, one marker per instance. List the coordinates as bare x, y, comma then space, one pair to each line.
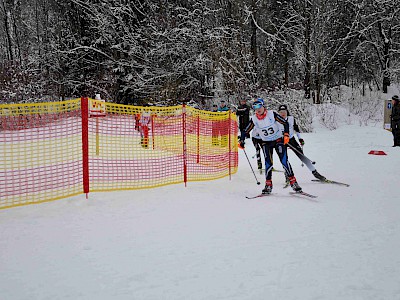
207, 241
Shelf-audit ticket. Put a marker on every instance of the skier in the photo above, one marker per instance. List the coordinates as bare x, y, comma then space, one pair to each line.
294, 128
243, 113
144, 122
395, 121
266, 122
257, 141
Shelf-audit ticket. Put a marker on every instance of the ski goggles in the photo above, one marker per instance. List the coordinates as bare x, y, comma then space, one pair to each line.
257, 105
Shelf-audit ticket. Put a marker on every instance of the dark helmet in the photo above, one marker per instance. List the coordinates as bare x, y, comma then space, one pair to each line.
282, 107
396, 98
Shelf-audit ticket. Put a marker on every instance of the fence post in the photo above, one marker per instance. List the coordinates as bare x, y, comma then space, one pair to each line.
97, 138
229, 144
198, 139
85, 144
152, 129
184, 143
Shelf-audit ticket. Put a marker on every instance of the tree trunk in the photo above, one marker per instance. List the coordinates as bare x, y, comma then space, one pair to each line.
253, 47
318, 84
386, 57
386, 82
8, 31
286, 68
307, 37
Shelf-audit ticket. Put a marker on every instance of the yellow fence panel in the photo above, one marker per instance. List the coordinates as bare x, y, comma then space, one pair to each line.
43, 157
40, 152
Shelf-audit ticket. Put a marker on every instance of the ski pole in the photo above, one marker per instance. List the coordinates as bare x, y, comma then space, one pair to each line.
302, 149
251, 167
302, 154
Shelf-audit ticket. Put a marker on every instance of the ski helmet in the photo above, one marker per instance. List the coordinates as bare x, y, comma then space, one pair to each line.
282, 107
258, 103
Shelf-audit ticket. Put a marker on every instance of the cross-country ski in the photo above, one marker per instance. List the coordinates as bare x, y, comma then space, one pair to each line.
331, 181
300, 193
259, 196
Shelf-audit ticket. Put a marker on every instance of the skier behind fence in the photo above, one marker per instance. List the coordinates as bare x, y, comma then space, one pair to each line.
142, 122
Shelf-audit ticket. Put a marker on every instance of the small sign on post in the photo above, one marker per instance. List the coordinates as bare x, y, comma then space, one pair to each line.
97, 107
387, 110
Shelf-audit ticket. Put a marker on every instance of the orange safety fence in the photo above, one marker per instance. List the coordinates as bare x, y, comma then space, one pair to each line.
55, 150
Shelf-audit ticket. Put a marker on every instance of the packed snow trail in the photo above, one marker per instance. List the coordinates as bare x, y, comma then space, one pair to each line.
207, 241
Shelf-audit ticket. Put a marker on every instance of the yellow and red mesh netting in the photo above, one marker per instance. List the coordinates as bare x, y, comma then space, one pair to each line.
40, 152
43, 157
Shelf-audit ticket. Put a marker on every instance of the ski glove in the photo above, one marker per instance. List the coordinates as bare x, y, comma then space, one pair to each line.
241, 144
301, 142
286, 138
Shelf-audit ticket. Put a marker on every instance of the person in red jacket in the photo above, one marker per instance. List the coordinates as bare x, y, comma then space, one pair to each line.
144, 122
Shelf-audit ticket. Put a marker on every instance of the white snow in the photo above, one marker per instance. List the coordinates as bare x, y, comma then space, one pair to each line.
207, 241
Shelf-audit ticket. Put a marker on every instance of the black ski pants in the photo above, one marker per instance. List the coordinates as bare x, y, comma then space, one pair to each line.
396, 133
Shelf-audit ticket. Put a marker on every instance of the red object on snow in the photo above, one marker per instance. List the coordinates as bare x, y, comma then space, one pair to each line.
377, 152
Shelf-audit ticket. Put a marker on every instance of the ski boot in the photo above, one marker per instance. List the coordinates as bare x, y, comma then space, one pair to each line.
293, 183
318, 176
268, 187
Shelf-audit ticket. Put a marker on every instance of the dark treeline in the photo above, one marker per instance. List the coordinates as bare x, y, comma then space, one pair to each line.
131, 51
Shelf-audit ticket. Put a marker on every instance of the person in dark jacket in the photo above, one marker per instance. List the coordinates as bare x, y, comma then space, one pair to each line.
243, 113
395, 121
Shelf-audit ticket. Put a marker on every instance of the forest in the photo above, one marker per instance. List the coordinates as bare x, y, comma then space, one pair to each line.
167, 51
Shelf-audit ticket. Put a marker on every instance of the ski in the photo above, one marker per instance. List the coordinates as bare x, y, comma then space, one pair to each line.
331, 181
291, 193
303, 194
258, 196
